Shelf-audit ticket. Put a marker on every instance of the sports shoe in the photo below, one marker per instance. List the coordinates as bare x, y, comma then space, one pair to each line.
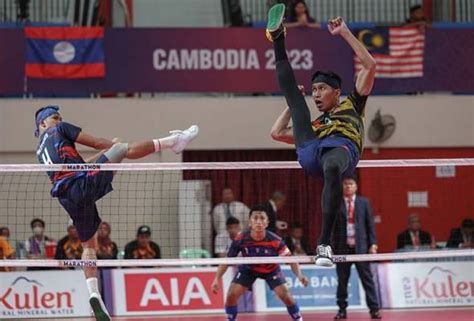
324, 256
341, 314
275, 25
375, 314
100, 311
184, 137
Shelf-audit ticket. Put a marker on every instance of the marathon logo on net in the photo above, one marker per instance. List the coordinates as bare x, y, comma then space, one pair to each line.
171, 291
81, 167
439, 286
80, 263
30, 298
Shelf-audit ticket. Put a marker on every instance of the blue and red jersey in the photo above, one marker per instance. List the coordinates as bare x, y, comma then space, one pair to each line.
56, 146
271, 245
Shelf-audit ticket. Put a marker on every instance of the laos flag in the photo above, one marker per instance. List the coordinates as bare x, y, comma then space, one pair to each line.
64, 53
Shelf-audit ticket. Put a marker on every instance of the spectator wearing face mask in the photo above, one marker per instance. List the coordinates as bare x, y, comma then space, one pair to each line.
35, 245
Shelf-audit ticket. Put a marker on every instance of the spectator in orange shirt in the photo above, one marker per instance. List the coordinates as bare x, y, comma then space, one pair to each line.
70, 246
6, 253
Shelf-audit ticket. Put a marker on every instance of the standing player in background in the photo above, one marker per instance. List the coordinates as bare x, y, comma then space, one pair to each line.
330, 146
259, 242
78, 191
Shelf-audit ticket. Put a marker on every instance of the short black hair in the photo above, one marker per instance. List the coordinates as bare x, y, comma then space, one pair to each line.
329, 77
467, 223
259, 208
415, 7
37, 220
296, 225
352, 177
232, 221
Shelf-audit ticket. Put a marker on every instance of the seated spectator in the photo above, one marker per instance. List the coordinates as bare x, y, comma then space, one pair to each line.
298, 16
6, 253
142, 247
462, 237
5, 232
224, 240
35, 246
229, 208
297, 242
106, 248
417, 18
274, 205
414, 237
70, 246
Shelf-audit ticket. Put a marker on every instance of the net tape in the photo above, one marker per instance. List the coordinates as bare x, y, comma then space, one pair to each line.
242, 260
226, 165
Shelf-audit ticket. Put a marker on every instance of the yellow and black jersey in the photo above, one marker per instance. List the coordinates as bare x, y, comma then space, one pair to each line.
346, 120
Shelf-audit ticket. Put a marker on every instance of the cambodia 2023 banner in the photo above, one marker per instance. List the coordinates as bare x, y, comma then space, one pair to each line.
232, 60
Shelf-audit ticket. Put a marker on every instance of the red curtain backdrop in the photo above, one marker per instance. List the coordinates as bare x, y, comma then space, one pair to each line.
450, 199
253, 187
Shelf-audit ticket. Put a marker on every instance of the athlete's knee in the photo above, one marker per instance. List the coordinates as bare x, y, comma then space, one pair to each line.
117, 152
231, 299
89, 254
331, 168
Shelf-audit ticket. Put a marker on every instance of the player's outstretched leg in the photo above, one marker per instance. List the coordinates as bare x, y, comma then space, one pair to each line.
177, 142
299, 110
335, 162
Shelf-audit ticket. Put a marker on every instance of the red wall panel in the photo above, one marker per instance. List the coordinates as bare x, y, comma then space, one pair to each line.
449, 199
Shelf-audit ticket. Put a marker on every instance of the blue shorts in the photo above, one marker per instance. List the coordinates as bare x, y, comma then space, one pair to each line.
310, 154
79, 200
246, 277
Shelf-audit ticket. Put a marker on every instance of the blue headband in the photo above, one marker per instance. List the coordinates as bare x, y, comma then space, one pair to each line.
42, 114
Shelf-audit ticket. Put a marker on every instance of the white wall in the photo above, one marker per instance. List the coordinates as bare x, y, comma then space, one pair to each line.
232, 123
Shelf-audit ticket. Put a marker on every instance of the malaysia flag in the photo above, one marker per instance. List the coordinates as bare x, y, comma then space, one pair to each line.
64, 52
398, 51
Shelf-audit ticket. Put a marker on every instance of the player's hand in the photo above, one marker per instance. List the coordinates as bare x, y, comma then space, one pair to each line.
215, 286
373, 249
337, 26
304, 280
301, 88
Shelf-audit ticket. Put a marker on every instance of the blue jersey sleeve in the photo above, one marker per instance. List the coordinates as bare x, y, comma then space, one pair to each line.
68, 130
234, 249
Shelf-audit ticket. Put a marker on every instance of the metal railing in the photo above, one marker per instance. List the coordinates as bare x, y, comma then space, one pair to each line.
77, 12
373, 11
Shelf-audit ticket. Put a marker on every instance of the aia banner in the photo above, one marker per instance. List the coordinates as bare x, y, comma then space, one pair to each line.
165, 291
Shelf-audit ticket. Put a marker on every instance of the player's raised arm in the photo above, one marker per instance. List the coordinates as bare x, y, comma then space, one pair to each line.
365, 78
94, 142
281, 131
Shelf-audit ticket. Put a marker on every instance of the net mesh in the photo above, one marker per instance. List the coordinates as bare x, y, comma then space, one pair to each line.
176, 201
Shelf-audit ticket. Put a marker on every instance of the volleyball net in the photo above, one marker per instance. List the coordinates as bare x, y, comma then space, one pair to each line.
177, 206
